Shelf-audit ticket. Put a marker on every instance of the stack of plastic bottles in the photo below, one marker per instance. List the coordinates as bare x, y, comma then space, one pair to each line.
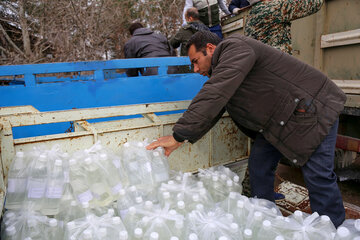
96, 194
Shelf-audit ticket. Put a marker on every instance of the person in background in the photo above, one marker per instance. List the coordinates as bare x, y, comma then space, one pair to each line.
193, 24
208, 13
144, 43
270, 21
236, 5
290, 108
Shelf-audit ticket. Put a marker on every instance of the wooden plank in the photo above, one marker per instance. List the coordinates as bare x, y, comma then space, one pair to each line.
340, 38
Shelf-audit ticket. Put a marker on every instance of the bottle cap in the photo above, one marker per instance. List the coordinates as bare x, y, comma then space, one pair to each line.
343, 232
58, 162
53, 222
247, 233
20, 154
266, 224
72, 162
149, 204
234, 227
154, 236
193, 236
10, 231
103, 156
236, 179
138, 232
223, 238
240, 203
181, 204
88, 161
123, 235
156, 154
87, 234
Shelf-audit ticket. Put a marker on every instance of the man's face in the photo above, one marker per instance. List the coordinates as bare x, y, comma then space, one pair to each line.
201, 62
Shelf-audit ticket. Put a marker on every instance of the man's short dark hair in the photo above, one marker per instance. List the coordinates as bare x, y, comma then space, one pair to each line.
192, 12
201, 38
135, 26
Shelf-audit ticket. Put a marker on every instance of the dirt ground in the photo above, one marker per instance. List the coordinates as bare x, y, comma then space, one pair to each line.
350, 190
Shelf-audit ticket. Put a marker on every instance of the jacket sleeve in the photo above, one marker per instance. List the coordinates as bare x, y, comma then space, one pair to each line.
299, 9
232, 61
233, 5
222, 5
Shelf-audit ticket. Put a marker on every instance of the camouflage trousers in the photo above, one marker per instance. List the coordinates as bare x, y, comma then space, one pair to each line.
270, 20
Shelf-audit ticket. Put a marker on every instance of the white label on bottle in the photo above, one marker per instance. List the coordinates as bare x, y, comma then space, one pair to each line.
11, 185
116, 163
148, 166
36, 189
66, 177
117, 188
134, 166
54, 192
85, 196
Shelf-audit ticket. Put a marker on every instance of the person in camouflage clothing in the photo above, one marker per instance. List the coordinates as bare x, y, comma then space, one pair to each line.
270, 21
184, 34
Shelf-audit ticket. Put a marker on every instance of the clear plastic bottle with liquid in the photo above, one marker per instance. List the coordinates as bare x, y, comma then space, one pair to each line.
97, 181
17, 181
37, 181
11, 233
54, 189
79, 183
160, 168
111, 174
33, 229
53, 231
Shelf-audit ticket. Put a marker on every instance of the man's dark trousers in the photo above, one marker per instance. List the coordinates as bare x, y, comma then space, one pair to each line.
318, 173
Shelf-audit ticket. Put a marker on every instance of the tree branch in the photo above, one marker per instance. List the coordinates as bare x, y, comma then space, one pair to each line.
11, 42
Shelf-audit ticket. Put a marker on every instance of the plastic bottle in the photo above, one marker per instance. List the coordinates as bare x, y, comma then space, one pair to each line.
248, 233
179, 229
160, 167
343, 233
102, 233
79, 183
181, 207
87, 234
11, 233
97, 182
256, 223
240, 212
138, 233
123, 235
54, 189
124, 202
111, 174
17, 181
37, 181
32, 229
193, 236
266, 231
53, 230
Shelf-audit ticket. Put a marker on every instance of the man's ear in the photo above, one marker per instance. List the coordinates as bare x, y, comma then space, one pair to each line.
210, 48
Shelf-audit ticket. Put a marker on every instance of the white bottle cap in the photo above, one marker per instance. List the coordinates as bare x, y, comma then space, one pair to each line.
171, 182
200, 184
181, 204
229, 183
138, 200
132, 188
193, 236
149, 204
11, 231
230, 217
298, 213
138, 232
140, 144
154, 236
236, 179
132, 210
103, 156
53, 222
20, 154
127, 144
42, 157
343, 232
325, 219
234, 227
122, 192
202, 191
156, 154
70, 225
212, 226
73, 203
123, 235
357, 224
9, 215
196, 198
145, 220
111, 212
172, 212
223, 238
247, 233
266, 224
116, 220
85, 205
166, 195
258, 216
232, 195
174, 238
223, 177
279, 238
200, 207
28, 238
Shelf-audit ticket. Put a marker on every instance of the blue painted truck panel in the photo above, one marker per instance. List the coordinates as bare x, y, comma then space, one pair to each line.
92, 84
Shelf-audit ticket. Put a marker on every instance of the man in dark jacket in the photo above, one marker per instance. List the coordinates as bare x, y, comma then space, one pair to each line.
290, 108
144, 43
184, 34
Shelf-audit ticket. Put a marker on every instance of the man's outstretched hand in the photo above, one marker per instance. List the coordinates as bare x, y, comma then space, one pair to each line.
167, 142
